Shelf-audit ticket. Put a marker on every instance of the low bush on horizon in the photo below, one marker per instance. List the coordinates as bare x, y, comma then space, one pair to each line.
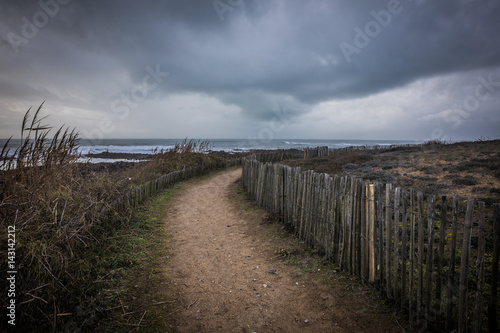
64, 214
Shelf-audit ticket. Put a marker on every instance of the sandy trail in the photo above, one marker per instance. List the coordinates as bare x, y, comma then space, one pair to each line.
220, 268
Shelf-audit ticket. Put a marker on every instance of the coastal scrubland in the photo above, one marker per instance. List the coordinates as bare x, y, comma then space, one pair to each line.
68, 226
468, 169
72, 240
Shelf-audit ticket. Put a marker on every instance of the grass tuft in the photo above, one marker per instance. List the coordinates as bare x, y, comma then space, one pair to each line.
65, 214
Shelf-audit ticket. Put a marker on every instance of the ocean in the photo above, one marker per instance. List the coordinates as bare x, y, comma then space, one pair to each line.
147, 146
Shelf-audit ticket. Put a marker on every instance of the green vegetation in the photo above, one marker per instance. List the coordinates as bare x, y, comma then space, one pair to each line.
137, 292
69, 218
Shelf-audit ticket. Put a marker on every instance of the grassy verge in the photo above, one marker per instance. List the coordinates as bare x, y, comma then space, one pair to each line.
138, 293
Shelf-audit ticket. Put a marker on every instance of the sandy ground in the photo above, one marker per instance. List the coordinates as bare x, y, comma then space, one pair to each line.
226, 277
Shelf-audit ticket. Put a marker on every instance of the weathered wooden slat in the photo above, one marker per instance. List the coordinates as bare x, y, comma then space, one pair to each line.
296, 207
492, 306
336, 219
404, 251
350, 231
476, 320
380, 241
442, 242
450, 287
314, 210
327, 215
359, 193
464, 269
345, 218
371, 239
341, 225
420, 250
303, 210
363, 232
388, 240
397, 247
310, 208
411, 280
429, 263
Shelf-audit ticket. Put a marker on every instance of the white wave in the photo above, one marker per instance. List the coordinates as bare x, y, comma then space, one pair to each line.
121, 149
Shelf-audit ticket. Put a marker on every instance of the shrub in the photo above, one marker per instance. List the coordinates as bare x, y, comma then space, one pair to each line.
64, 213
56, 213
467, 181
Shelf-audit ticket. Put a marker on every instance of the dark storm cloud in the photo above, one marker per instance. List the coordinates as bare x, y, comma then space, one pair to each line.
255, 54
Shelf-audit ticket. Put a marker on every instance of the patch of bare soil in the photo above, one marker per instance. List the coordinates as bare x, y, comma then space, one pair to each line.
227, 272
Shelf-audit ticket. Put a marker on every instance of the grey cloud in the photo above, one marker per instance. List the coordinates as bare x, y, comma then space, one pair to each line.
261, 54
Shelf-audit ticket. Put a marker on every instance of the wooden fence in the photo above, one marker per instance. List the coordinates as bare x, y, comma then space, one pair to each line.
136, 195
277, 156
435, 258
325, 151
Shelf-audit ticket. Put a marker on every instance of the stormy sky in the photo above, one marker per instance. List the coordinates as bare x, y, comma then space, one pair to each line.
312, 69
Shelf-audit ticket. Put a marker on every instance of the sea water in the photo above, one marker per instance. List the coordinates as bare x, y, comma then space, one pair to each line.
148, 146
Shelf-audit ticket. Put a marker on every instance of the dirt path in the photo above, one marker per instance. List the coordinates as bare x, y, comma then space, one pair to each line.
220, 268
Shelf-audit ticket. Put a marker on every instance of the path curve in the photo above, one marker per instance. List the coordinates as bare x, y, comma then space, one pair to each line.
220, 269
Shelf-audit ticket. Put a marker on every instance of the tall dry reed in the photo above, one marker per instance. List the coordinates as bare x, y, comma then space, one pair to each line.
65, 213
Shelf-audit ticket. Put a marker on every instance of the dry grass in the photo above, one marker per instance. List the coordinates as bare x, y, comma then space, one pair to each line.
57, 214
468, 169
66, 217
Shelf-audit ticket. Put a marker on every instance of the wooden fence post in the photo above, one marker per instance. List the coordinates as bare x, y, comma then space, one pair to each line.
476, 321
430, 259
420, 262
358, 239
371, 239
342, 217
388, 240
412, 256
451, 270
330, 216
442, 242
380, 226
336, 220
404, 251
352, 223
464, 269
492, 307
397, 248
363, 232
